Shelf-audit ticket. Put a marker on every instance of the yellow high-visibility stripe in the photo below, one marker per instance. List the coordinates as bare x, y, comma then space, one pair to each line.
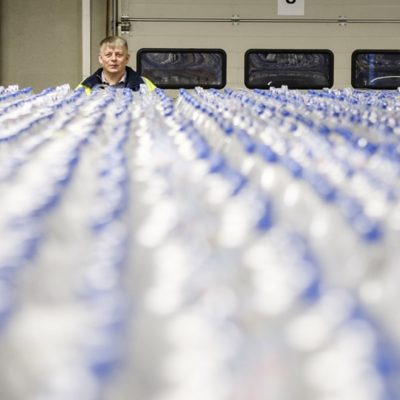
88, 90
150, 85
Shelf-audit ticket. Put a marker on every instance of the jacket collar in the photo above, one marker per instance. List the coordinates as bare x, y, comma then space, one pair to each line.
133, 79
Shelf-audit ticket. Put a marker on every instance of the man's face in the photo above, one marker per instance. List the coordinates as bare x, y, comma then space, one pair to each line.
113, 59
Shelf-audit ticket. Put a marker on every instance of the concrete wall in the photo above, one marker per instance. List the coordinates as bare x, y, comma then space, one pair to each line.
98, 28
41, 41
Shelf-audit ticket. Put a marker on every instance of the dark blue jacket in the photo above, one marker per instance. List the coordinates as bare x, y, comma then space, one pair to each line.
133, 80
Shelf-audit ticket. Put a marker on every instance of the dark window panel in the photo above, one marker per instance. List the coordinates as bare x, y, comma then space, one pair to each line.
297, 69
183, 68
375, 69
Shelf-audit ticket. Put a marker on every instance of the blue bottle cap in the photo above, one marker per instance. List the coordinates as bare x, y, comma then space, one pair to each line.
267, 153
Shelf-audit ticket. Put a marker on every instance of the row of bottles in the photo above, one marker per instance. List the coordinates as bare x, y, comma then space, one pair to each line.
224, 245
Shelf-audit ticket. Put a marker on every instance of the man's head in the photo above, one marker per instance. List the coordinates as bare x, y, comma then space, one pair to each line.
113, 55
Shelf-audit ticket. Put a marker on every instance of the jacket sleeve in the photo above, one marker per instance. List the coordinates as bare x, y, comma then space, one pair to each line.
88, 90
150, 85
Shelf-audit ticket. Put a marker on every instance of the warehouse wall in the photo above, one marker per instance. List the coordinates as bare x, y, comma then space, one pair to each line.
98, 28
41, 41
236, 39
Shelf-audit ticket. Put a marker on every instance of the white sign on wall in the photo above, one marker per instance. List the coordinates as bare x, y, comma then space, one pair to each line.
290, 7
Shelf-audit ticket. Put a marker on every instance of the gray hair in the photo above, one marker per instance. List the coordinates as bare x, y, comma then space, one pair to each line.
114, 41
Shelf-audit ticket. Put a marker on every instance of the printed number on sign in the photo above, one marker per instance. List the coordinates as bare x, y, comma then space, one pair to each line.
290, 7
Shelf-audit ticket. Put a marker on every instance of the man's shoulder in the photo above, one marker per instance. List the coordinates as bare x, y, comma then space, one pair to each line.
131, 73
136, 80
133, 79
93, 80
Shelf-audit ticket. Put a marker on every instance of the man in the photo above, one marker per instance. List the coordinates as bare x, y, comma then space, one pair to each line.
114, 57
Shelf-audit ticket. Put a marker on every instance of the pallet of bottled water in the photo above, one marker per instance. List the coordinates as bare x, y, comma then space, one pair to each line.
223, 245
